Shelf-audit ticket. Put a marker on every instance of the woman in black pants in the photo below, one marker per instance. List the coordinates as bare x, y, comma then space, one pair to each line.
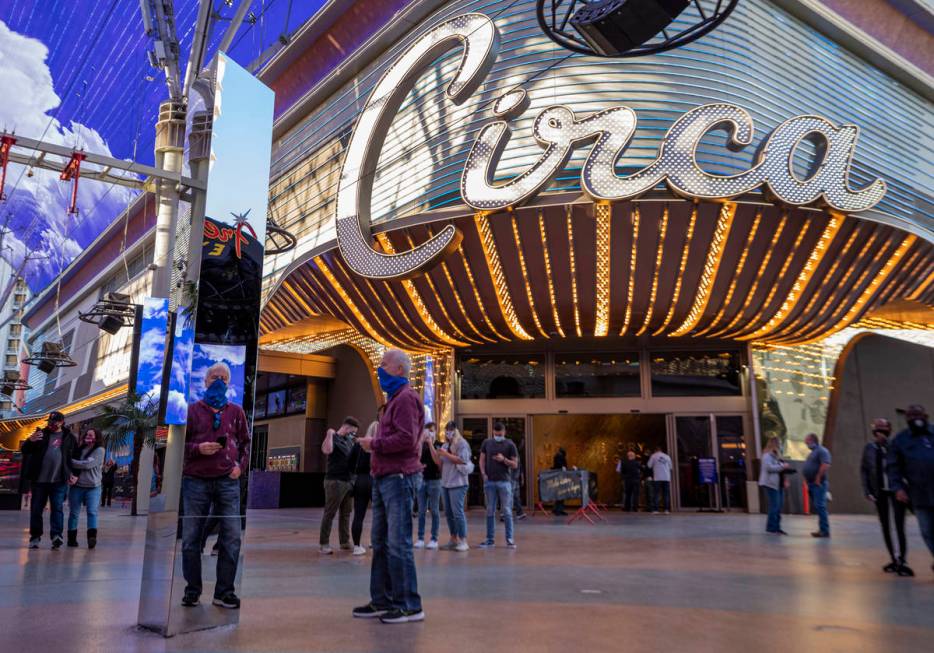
362, 489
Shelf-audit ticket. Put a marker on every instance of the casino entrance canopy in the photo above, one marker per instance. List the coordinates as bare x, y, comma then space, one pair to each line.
521, 195
567, 267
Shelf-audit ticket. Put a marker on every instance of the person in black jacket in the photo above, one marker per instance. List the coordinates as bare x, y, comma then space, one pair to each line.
876, 488
47, 466
911, 470
630, 471
108, 480
362, 489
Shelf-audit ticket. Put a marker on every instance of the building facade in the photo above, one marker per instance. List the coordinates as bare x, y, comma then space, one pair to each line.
653, 302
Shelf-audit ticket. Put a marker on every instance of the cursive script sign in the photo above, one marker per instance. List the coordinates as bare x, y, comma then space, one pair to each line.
559, 130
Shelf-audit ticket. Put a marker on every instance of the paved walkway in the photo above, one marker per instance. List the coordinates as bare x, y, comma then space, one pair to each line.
681, 583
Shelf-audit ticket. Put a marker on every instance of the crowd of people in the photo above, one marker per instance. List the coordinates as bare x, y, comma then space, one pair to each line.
401, 471
897, 475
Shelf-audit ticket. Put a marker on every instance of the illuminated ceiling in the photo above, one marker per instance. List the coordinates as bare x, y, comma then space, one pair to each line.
737, 271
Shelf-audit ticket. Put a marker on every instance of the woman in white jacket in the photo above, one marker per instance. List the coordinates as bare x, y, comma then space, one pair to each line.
773, 481
454, 460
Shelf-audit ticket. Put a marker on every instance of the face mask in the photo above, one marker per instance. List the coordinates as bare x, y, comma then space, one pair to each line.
499, 438
449, 434
216, 396
431, 434
918, 424
812, 445
389, 383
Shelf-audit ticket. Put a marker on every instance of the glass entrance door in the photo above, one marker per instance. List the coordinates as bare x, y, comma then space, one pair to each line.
476, 430
731, 454
692, 442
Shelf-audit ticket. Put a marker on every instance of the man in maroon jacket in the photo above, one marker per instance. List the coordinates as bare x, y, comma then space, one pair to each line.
397, 470
217, 452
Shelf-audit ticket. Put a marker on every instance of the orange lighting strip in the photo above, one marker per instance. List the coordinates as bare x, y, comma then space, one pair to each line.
551, 285
525, 274
403, 335
476, 293
603, 225
663, 228
920, 290
711, 265
632, 269
434, 289
298, 298
873, 286
345, 296
496, 274
416, 299
739, 270
759, 275
577, 316
833, 268
680, 277
804, 278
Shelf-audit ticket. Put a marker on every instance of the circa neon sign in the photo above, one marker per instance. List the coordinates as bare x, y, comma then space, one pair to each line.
559, 130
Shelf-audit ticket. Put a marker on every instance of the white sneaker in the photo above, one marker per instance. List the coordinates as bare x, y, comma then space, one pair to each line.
462, 546
326, 550
359, 551
432, 545
419, 544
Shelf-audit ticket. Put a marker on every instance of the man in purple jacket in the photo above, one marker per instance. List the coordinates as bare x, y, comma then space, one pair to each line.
217, 452
397, 470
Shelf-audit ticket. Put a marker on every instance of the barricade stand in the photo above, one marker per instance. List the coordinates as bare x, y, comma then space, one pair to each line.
539, 507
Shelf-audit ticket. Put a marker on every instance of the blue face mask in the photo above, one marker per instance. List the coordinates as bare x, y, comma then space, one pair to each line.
812, 445
389, 383
499, 438
216, 396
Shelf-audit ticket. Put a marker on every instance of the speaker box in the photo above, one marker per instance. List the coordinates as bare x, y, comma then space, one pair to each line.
613, 27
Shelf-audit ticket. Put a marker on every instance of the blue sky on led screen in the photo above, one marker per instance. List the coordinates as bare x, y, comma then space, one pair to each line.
76, 73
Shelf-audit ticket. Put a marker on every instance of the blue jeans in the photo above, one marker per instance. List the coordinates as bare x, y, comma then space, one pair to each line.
54, 493
393, 582
926, 524
90, 497
501, 490
454, 511
818, 494
199, 496
429, 496
776, 498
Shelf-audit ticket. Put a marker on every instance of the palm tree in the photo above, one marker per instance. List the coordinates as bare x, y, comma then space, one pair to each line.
134, 417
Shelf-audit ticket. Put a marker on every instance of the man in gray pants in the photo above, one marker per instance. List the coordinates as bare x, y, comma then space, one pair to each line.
338, 489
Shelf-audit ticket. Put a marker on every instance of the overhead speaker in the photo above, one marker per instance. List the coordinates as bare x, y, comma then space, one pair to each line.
46, 366
111, 324
612, 27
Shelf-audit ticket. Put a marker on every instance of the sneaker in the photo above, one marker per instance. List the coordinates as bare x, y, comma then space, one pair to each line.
432, 545
904, 570
891, 568
450, 546
521, 517
667, 512
229, 601
402, 616
819, 534
369, 611
346, 547
191, 598
326, 550
57, 542
462, 546
419, 544
510, 544
488, 544
359, 551
214, 550
34, 542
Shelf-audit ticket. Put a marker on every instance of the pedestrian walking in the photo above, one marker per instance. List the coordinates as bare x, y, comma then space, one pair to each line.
87, 465
397, 470
877, 490
660, 464
816, 472
910, 468
108, 480
362, 489
429, 492
456, 467
498, 457
772, 479
338, 490
47, 466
